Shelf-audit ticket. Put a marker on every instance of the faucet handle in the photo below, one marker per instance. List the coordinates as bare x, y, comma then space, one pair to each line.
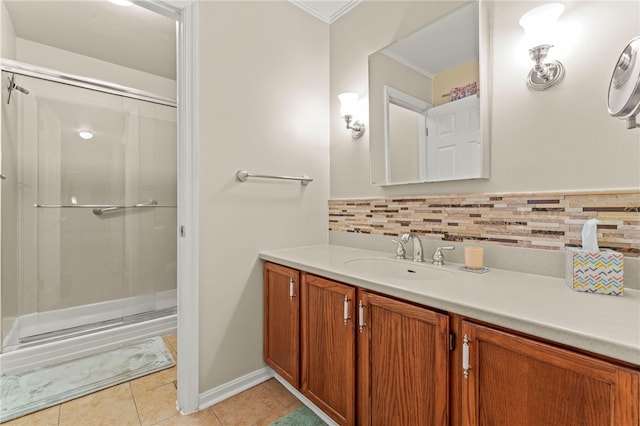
400, 249
438, 257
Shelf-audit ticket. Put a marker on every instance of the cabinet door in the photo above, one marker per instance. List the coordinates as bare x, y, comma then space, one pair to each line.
282, 321
403, 353
513, 380
328, 347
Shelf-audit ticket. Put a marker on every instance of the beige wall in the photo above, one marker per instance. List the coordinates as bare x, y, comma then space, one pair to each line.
560, 139
7, 34
385, 71
404, 165
69, 62
263, 83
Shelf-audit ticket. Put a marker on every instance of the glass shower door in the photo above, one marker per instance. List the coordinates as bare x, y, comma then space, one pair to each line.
95, 185
150, 232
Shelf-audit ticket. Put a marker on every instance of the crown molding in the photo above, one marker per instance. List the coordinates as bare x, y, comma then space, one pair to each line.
326, 11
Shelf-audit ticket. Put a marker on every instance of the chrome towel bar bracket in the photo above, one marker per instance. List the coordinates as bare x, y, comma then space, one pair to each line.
243, 175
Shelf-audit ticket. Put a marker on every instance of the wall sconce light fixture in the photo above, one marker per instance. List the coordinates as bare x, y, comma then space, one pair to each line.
347, 108
540, 26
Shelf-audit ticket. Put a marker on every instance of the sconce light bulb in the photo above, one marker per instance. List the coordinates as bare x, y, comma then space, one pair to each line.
540, 24
347, 103
542, 15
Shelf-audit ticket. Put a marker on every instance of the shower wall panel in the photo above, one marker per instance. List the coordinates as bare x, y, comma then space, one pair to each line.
9, 214
150, 234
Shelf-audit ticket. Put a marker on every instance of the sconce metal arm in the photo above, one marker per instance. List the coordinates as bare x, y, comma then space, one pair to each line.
544, 75
357, 128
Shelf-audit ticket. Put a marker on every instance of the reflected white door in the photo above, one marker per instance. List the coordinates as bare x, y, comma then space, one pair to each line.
453, 141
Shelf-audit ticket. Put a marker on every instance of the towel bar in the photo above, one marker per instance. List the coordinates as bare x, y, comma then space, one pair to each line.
243, 175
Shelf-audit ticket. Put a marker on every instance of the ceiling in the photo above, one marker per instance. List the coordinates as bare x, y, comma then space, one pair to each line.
444, 44
129, 36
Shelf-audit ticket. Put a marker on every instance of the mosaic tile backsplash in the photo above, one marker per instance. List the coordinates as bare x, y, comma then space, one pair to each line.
535, 220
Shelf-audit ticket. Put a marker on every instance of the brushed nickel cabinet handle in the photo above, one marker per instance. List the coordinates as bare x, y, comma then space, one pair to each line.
292, 289
361, 323
465, 356
347, 317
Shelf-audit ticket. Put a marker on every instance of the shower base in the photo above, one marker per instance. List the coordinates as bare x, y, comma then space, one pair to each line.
56, 336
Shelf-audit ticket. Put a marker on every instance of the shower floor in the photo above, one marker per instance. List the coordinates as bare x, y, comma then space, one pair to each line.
80, 320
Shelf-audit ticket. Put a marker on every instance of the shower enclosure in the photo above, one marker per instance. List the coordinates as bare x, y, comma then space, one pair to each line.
88, 207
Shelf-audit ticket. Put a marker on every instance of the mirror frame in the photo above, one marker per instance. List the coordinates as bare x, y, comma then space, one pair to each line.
378, 145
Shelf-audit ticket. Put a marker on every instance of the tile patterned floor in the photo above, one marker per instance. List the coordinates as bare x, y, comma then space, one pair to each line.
151, 401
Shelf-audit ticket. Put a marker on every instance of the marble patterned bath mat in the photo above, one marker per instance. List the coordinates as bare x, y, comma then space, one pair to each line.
48, 386
300, 417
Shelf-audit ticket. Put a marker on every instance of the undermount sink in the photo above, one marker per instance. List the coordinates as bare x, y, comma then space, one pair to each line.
397, 269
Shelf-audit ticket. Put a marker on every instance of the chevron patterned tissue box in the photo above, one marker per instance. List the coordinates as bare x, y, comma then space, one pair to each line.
595, 271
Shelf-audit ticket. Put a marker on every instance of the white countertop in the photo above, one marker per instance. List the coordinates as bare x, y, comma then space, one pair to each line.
541, 306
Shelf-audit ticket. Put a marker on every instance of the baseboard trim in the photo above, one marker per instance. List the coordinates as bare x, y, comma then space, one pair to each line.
234, 387
310, 405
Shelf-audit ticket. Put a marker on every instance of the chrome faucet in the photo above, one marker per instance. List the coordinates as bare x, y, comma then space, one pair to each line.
438, 257
417, 246
399, 249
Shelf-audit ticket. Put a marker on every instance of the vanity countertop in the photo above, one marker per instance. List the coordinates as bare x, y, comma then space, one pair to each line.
538, 305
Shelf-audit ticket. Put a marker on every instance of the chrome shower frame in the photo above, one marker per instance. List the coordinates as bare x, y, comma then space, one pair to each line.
35, 71
13, 86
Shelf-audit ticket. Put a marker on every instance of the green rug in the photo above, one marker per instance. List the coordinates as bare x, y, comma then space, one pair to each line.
300, 417
48, 386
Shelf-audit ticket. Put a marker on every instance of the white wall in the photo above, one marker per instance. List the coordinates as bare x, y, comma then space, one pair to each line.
263, 82
560, 139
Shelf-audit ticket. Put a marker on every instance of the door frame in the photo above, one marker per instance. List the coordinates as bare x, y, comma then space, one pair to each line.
185, 12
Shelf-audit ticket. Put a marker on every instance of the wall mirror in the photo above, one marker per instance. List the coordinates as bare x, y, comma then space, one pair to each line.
429, 102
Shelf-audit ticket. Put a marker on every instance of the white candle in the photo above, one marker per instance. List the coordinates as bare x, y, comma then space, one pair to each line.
473, 257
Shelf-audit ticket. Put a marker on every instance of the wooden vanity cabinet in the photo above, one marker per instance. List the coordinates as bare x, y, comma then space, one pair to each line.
281, 347
329, 347
322, 336
403, 363
401, 357
513, 380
